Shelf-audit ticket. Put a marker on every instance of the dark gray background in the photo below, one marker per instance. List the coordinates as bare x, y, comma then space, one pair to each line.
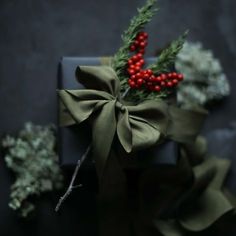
33, 37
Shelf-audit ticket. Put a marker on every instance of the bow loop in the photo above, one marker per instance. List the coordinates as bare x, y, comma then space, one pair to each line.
102, 78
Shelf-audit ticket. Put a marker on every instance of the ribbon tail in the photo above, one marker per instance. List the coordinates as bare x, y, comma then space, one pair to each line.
103, 128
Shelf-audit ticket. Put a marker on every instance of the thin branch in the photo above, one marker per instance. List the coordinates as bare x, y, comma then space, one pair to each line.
125, 93
72, 186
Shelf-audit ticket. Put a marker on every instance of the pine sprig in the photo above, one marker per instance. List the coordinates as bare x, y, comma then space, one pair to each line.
167, 58
137, 23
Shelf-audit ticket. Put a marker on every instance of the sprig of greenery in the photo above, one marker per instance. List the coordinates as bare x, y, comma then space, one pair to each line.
164, 63
168, 56
137, 23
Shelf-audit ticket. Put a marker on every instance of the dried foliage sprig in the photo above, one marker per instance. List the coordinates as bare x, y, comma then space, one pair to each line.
32, 158
205, 80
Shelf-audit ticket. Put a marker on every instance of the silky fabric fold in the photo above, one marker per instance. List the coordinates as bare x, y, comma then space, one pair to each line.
137, 127
159, 200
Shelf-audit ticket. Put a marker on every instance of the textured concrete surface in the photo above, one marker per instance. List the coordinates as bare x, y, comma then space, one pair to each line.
35, 34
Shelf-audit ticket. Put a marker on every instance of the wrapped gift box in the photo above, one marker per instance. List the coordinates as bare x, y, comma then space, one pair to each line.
74, 140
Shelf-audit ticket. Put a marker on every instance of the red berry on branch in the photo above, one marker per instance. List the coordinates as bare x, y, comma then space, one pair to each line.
158, 79
163, 84
145, 35
180, 77
132, 48
134, 58
140, 37
140, 81
133, 77
130, 62
138, 75
149, 71
152, 78
131, 71
132, 84
174, 74
142, 61
143, 44
146, 76
175, 81
163, 76
138, 64
139, 56
137, 68
169, 84
132, 66
157, 88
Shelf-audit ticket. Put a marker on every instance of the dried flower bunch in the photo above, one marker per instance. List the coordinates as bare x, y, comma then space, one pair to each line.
32, 158
204, 78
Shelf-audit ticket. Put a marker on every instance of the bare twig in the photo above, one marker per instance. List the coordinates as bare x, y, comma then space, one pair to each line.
125, 93
72, 186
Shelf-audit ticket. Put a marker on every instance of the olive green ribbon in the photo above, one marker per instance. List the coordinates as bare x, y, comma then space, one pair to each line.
195, 206
170, 201
136, 126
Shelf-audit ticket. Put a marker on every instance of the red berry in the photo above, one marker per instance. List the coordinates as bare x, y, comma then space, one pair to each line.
132, 48
163, 84
132, 66
131, 71
163, 76
158, 79
180, 77
130, 62
157, 88
152, 78
139, 56
149, 71
146, 76
142, 61
140, 38
134, 58
145, 35
137, 68
138, 75
169, 75
143, 44
133, 77
169, 84
140, 81
174, 74
132, 84
175, 81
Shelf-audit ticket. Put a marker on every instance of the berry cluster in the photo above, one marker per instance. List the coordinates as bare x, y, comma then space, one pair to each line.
148, 80
145, 78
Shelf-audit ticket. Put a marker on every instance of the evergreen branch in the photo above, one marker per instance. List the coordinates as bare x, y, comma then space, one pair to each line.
137, 23
168, 56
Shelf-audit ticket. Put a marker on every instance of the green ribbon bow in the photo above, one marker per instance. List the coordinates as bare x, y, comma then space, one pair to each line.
137, 127
170, 201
